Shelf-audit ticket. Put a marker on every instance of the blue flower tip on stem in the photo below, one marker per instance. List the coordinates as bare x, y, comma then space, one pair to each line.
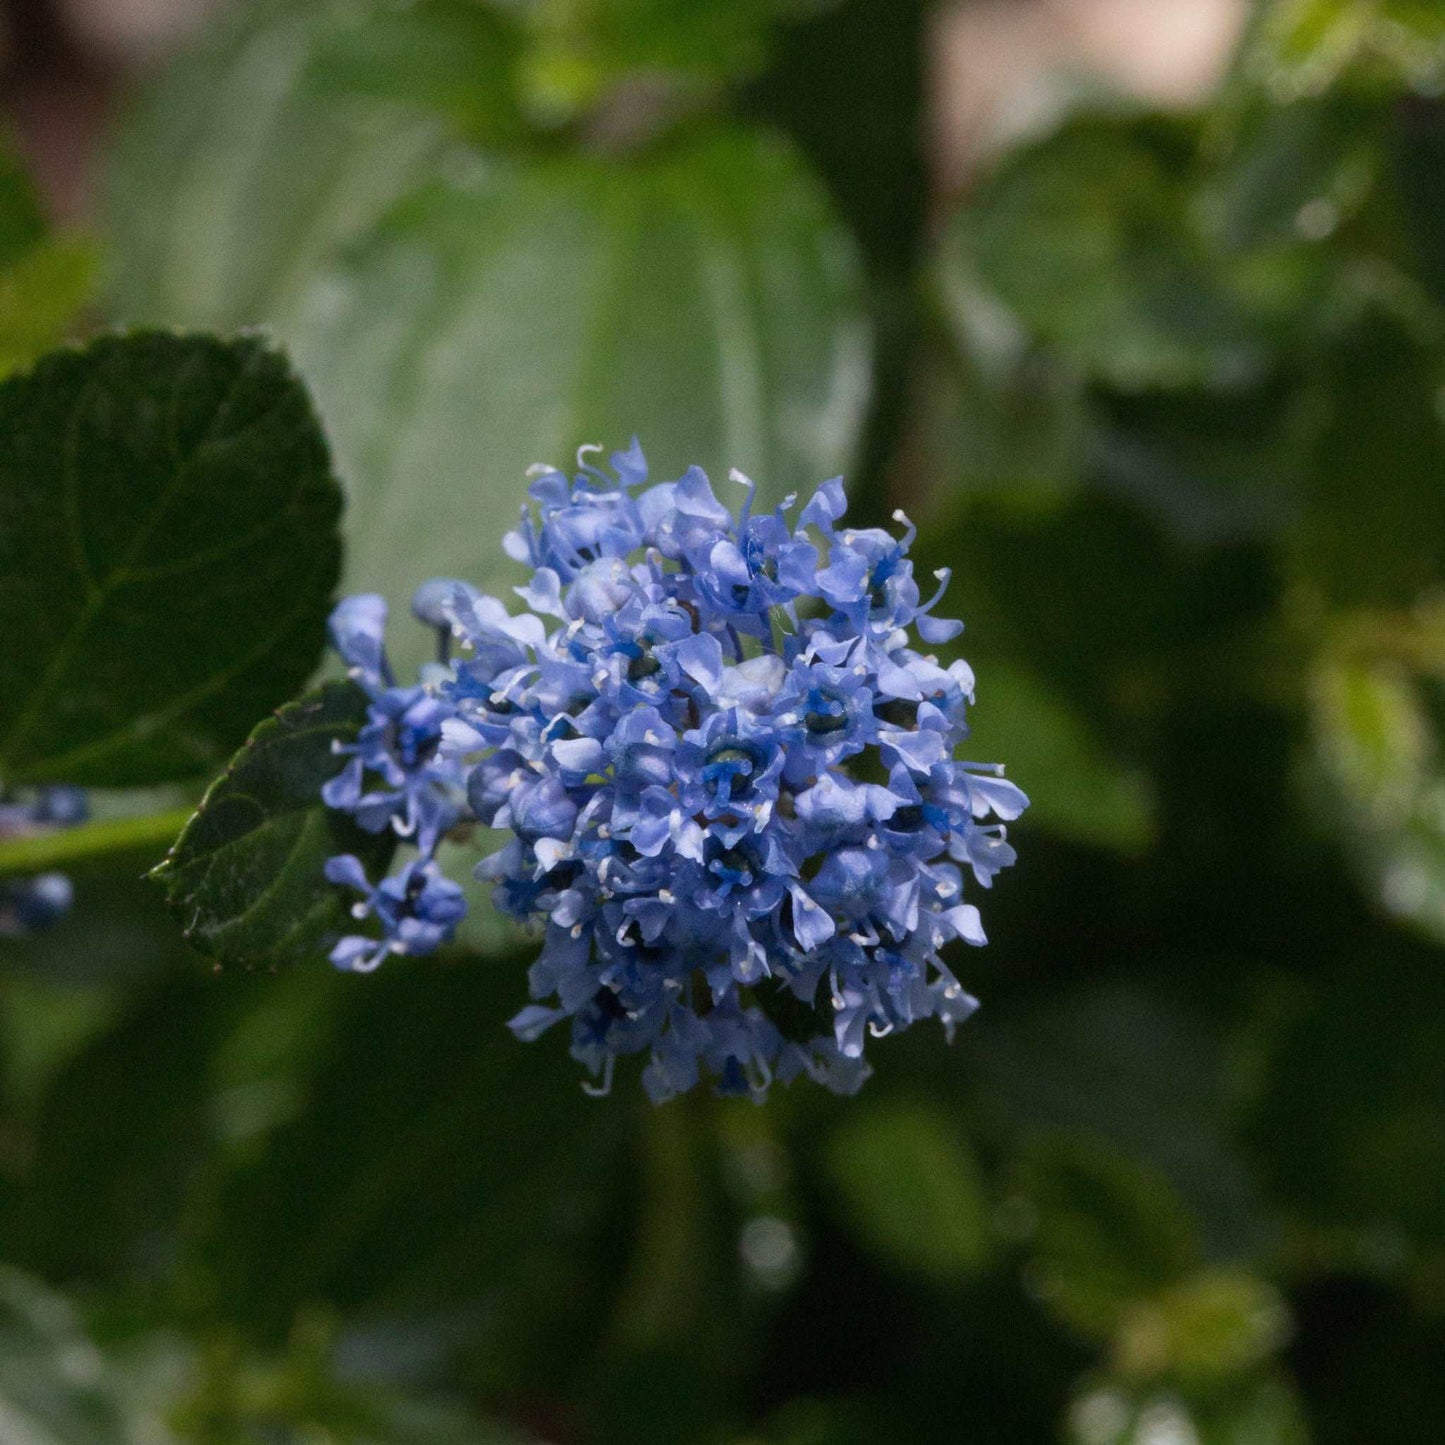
32, 905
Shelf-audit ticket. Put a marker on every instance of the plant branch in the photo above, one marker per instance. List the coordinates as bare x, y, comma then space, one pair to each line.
40, 852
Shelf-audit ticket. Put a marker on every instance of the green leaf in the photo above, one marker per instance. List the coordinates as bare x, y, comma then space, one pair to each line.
456, 58
911, 1188
55, 1389
703, 296
420, 1080
1215, 1324
1419, 154
122, 1128
1377, 751
234, 175
245, 877
1372, 532
1079, 1060
1076, 789
22, 223
1005, 417
1087, 239
43, 281
40, 296
167, 553
1374, 1016
1209, 467
1255, 1412
1108, 1231
1286, 177
581, 48
705, 300
1306, 46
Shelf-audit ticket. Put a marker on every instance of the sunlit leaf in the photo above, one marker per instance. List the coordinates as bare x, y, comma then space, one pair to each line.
1209, 1327
1259, 1412
40, 296
44, 280
235, 174
1379, 718
55, 1388
454, 58
705, 301
463, 317
1305, 46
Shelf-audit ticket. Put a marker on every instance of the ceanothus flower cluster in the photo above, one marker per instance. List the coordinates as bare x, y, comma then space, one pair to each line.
725, 757
29, 905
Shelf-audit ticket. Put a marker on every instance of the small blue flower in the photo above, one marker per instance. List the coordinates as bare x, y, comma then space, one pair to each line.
418, 910
31, 905
727, 761
398, 777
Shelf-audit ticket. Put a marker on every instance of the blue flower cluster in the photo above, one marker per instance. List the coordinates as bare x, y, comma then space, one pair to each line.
726, 762
28, 905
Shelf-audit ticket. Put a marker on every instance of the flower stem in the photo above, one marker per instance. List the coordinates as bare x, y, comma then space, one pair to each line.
42, 851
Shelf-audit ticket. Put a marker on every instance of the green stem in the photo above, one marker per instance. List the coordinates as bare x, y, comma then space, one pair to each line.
43, 851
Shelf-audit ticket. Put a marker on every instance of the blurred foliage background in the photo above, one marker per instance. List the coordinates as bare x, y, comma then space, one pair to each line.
1139, 311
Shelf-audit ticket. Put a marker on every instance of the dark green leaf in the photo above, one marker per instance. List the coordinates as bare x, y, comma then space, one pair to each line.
1083, 1059
1209, 468
1377, 1104
1107, 1233
118, 932
911, 1188
22, 223
1002, 416
1419, 163
1288, 175
1076, 788
119, 1134
167, 553
850, 81
420, 1081
245, 877
1373, 528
